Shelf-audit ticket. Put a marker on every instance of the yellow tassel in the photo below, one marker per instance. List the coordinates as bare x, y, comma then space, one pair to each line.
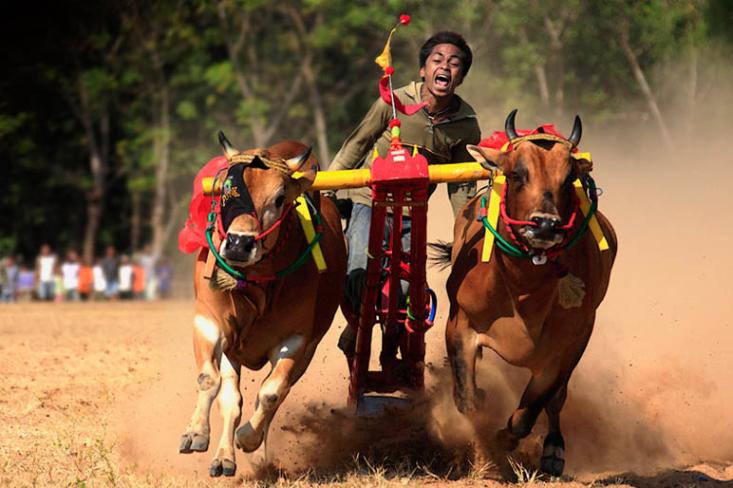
385, 59
571, 291
306, 221
593, 225
492, 215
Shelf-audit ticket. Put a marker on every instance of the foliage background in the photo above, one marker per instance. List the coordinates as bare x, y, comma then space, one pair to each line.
108, 108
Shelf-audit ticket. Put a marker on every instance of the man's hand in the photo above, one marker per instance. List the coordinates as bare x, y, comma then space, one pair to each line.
344, 205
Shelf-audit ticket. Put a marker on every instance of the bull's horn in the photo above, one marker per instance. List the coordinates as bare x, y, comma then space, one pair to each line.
509, 129
229, 150
577, 131
296, 162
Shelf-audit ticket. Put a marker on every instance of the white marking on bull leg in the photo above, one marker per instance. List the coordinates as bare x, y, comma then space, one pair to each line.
207, 348
208, 329
230, 406
274, 389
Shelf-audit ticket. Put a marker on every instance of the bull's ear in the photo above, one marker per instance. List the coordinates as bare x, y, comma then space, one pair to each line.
583, 162
304, 168
491, 159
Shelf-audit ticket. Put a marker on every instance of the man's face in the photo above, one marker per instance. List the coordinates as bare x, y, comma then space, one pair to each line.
443, 70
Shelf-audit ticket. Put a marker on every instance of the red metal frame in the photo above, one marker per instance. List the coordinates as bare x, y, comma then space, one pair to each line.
398, 181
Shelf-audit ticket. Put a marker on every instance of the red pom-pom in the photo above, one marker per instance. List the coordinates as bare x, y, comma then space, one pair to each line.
405, 19
389, 70
394, 123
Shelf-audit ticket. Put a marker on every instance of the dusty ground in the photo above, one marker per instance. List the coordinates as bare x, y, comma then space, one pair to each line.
98, 394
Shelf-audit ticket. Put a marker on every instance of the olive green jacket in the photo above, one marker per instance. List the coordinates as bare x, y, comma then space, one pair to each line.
444, 142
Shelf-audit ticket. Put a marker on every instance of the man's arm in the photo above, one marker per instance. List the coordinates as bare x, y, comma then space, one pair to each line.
360, 142
460, 193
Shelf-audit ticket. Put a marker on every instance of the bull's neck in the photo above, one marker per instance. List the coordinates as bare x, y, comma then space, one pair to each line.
521, 274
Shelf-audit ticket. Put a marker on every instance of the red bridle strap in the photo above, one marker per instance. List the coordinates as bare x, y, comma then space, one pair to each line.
274, 226
510, 221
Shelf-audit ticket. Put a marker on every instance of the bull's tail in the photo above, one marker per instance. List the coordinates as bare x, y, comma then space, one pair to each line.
439, 254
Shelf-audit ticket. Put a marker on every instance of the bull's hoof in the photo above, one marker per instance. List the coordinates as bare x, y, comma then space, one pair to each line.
507, 440
247, 439
553, 455
191, 442
222, 467
552, 465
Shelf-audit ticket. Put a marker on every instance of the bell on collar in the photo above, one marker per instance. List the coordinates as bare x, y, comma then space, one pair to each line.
539, 259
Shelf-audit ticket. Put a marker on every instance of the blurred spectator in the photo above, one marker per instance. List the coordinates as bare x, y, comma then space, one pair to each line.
26, 283
9, 278
3, 277
58, 284
45, 265
70, 275
125, 278
148, 261
165, 278
86, 280
138, 280
110, 266
100, 283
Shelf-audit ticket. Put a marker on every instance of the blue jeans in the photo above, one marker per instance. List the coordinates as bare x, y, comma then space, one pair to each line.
46, 290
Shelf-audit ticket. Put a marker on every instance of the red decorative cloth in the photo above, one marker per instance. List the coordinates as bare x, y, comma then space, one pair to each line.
499, 138
193, 235
405, 109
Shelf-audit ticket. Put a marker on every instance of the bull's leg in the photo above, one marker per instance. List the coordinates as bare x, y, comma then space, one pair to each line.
207, 342
230, 405
289, 360
463, 349
541, 388
553, 454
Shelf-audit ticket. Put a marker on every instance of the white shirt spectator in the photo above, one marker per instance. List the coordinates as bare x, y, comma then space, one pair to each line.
70, 273
46, 265
125, 277
100, 283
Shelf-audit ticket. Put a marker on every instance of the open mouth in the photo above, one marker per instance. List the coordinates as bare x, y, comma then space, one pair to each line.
543, 242
442, 81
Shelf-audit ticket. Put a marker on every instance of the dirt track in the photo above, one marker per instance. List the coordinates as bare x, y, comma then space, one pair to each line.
95, 394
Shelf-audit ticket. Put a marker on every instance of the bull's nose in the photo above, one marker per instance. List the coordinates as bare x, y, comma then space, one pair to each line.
545, 226
239, 247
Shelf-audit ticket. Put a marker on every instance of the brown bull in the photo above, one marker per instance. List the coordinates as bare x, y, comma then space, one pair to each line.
272, 318
512, 305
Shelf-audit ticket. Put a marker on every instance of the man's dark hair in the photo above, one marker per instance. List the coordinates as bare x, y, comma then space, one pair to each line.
448, 38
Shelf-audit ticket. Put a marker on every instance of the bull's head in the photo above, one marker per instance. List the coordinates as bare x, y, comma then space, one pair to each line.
540, 172
258, 188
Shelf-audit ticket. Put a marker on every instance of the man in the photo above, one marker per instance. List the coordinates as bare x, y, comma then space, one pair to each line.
440, 131
70, 275
110, 267
45, 267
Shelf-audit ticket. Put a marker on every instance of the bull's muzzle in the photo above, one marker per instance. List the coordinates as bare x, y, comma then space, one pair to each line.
545, 233
240, 248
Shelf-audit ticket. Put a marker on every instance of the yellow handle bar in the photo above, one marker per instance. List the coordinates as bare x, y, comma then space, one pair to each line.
356, 178
439, 173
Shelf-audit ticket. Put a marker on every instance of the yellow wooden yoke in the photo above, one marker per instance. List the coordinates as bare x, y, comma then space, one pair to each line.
439, 173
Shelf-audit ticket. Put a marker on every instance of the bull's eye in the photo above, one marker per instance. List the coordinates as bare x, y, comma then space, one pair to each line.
518, 177
279, 201
569, 179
